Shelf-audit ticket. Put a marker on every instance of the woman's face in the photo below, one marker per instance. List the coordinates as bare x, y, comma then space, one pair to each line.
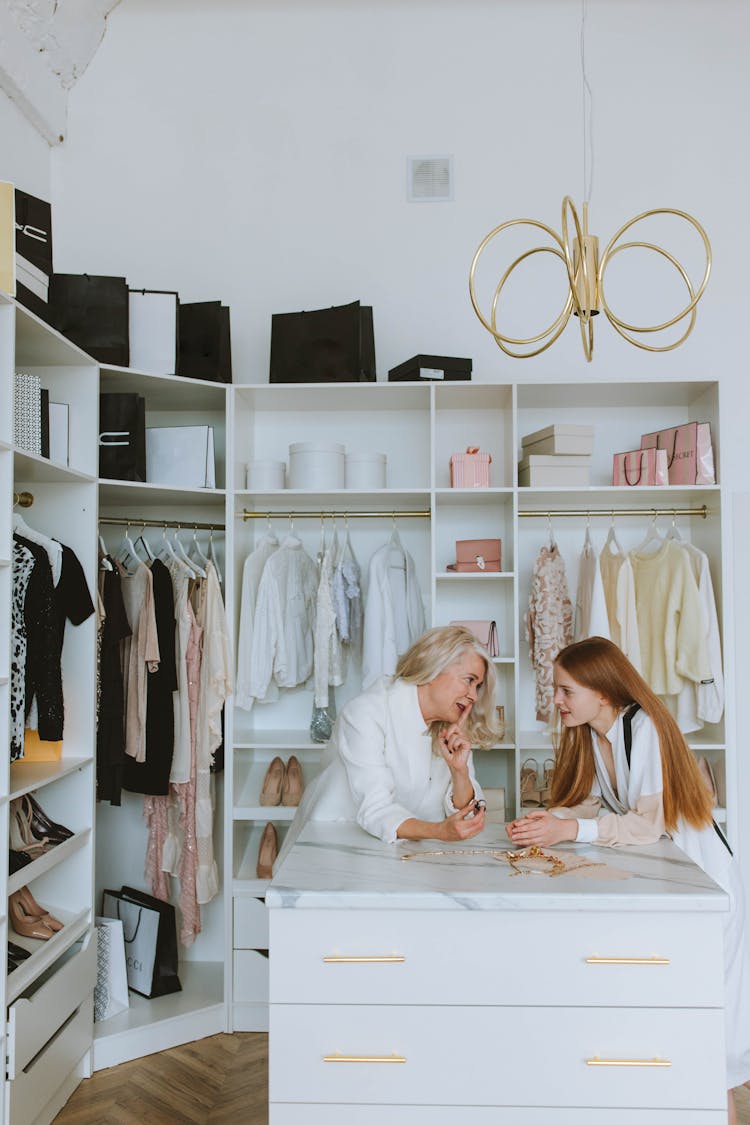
453, 693
576, 704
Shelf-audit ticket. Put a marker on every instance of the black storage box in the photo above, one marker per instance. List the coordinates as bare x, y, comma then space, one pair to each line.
431, 368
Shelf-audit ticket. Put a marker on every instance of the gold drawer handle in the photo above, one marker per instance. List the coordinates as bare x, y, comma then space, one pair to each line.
337, 1058
393, 959
628, 961
596, 1061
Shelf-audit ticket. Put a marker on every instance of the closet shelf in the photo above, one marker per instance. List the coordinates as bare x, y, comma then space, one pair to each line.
118, 492
276, 740
163, 391
282, 501
47, 861
277, 813
45, 953
6, 445
25, 777
38, 344
30, 466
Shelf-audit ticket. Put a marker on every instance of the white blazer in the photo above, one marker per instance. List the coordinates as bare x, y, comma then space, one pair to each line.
379, 768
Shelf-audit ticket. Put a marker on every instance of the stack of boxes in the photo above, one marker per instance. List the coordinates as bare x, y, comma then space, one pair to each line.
558, 456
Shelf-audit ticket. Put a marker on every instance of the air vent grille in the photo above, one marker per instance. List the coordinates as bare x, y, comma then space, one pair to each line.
429, 179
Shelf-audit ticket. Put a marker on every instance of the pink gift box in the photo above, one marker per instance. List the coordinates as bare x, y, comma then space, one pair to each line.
470, 469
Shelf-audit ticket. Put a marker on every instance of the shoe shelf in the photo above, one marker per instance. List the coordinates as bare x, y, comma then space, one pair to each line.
45, 953
293, 740
25, 777
246, 844
38, 867
249, 775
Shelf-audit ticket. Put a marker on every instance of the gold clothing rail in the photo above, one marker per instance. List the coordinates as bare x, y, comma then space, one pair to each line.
179, 525
330, 514
610, 513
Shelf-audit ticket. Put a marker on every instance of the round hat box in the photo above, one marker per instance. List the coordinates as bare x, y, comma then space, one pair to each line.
365, 470
264, 476
316, 466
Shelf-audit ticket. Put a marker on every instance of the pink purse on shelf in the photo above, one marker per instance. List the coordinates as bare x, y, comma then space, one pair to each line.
477, 556
640, 467
485, 632
690, 455
470, 469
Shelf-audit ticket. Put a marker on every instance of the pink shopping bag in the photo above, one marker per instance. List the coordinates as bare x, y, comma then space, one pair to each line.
690, 455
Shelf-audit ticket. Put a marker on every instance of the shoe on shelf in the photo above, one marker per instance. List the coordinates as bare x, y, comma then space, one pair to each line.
531, 794
17, 860
17, 952
548, 772
293, 784
273, 782
34, 910
41, 825
25, 924
269, 846
21, 839
709, 780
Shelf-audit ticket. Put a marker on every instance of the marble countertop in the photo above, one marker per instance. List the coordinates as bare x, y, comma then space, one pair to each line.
339, 866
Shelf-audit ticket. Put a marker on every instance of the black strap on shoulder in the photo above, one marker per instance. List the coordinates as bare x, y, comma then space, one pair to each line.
626, 729
628, 736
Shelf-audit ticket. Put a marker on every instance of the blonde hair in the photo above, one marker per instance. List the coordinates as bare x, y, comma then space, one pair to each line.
599, 664
435, 651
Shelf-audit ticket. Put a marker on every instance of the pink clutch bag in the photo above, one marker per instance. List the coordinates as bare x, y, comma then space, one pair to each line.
485, 632
477, 556
470, 469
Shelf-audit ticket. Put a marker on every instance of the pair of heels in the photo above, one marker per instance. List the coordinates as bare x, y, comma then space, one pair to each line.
16, 954
535, 789
31, 831
709, 780
283, 784
267, 852
30, 919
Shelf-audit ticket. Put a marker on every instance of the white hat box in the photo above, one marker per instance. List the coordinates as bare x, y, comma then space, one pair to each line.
365, 470
264, 476
316, 466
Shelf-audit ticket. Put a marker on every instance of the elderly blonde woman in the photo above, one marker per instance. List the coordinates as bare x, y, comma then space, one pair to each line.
399, 762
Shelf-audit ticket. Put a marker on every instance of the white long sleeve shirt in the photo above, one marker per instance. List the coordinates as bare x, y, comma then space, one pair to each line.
697, 703
618, 584
284, 623
394, 614
252, 572
591, 607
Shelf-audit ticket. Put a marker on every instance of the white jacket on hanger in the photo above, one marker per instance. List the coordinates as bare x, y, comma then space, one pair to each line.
284, 624
394, 614
591, 608
699, 703
252, 573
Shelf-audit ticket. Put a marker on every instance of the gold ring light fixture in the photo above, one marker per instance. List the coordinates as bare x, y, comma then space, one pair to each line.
578, 249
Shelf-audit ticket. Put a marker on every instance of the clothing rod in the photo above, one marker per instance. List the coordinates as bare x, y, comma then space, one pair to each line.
246, 515
180, 525
23, 499
546, 513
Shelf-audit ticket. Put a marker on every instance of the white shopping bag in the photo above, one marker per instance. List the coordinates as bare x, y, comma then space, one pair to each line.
182, 456
153, 331
111, 991
140, 931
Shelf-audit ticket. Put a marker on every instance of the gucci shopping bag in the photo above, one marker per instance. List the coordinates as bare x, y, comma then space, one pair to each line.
150, 935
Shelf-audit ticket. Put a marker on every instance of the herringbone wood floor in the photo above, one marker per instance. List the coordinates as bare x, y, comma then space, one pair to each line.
221, 1080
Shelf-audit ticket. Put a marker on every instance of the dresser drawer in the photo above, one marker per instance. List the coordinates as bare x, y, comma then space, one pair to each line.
286, 1114
32, 1088
494, 957
489, 1056
250, 923
250, 983
33, 1020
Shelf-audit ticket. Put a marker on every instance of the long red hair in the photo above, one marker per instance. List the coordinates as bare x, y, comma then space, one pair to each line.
599, 664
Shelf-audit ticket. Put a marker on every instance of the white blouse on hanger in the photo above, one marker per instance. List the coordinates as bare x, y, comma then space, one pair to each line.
591, 608
282, 646
328, 659
394, 614
619, 594
252, 573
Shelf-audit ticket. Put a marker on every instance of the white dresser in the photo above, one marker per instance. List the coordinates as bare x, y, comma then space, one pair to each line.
407, 991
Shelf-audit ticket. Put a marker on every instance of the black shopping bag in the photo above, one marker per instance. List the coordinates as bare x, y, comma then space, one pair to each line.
122, 436
334, 345
150, 933
93, 312
33, 252
205, 347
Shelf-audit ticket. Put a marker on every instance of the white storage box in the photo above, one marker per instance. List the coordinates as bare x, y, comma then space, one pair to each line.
264, 476
316, 466
559, 439
365, 470
539, 471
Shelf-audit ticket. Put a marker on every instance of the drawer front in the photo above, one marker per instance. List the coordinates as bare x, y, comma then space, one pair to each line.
32, 1021
286, 1114
250, 977
32, 1088
250, 923
493, 957
490, 1056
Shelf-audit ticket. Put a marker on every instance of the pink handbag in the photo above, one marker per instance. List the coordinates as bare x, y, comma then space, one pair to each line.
690, 455
477, 556
485, 632
470, 469
639, 467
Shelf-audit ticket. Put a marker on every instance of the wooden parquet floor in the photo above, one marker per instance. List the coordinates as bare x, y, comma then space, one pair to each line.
222, 1080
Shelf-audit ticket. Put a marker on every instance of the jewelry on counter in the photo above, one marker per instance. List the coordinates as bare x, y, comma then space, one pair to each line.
529, 861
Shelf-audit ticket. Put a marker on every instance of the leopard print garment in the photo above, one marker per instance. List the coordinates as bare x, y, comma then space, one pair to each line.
23, 564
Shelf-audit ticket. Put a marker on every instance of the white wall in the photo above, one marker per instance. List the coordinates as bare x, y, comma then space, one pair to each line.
255, 151
25, 159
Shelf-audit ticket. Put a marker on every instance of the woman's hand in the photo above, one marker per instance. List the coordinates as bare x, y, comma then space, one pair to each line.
455, 748
455, 827
541, 827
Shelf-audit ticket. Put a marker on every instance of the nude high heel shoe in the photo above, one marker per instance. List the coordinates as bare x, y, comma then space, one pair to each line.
34, 910
531, 794
548, 772
269, 846
270, 794
24, 923
293, 784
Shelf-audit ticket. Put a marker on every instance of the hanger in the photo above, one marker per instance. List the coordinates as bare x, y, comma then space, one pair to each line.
269, 532
143, 542
322, 544
673, 533
126, 552
395, 544
551, 544
588, 546
182, 555
653, 539
167, 550
612, 540
104, 563
212, 554
195, 554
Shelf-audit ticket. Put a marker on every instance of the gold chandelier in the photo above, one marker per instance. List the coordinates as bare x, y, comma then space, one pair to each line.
585, 273
585, 269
